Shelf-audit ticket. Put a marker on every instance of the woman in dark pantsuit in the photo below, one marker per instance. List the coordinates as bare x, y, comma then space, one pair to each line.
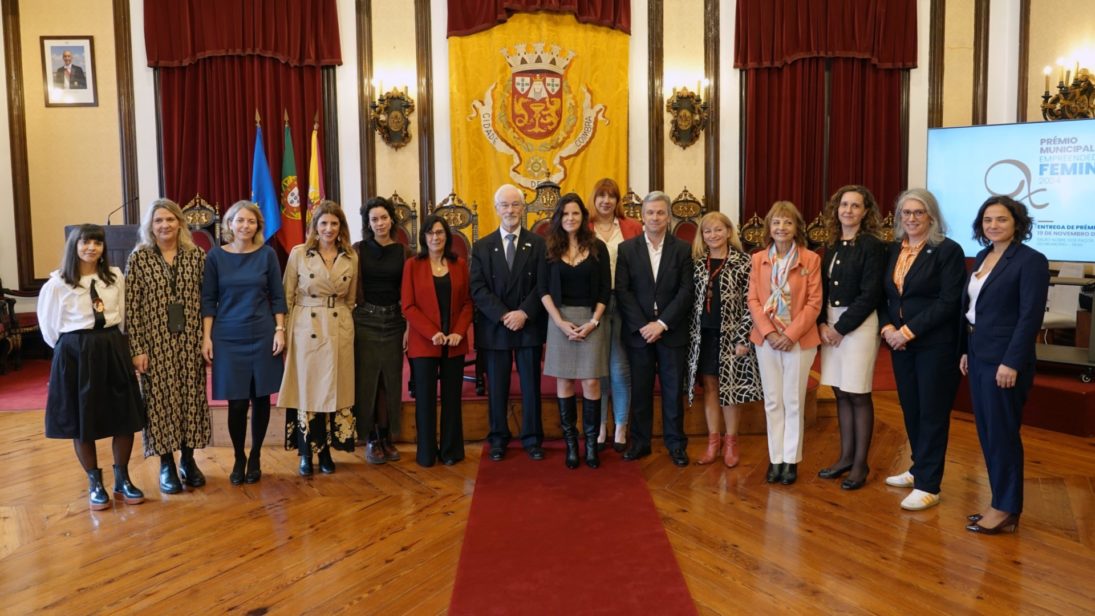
920, 321
436, 300
1002, 306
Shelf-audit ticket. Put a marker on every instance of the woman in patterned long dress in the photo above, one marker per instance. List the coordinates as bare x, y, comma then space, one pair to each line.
317, 388
720, 351
164, 275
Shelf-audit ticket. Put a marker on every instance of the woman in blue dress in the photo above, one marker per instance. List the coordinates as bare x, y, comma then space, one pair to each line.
243, 327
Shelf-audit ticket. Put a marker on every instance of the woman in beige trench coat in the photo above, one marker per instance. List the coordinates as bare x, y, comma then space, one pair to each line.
317, 389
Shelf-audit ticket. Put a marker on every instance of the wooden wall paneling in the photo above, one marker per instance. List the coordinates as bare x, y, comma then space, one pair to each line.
329, 98
936, 52
366, 137
980, 61
127, 123
655, 28
906, 95
743, 85
17, 127
1024, 61
424, 104
711, 69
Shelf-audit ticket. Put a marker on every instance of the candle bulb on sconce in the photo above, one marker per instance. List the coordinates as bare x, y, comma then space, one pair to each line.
1047, 71
1074, 97
391, 115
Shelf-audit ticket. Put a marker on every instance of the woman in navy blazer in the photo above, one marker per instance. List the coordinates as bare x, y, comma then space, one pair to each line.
436, 300
1003, 305
920, 322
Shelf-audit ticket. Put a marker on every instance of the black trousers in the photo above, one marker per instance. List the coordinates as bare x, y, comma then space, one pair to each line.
668, 363
428, 371
999, 416
499, 367
927, 381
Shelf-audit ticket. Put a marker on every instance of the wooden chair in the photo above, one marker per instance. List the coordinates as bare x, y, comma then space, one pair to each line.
887, 227
686, 210
633, 205
539, 211
13, 328
406, 222
753, 234
817, 233
200, 215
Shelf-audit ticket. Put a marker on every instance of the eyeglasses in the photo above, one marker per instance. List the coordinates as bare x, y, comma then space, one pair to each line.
435, 233
914, 213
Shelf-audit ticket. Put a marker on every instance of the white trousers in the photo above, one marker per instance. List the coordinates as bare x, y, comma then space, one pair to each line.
783, 376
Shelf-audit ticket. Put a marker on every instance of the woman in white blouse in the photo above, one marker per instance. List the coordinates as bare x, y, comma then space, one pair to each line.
93, 391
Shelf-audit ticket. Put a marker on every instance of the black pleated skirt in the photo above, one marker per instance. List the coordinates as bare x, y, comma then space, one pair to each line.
93, 391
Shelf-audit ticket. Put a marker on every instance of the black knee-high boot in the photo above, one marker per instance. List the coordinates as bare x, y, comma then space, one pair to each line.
568, 417
591, 422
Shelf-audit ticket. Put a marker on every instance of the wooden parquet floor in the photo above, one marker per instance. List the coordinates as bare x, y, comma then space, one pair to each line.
386, 540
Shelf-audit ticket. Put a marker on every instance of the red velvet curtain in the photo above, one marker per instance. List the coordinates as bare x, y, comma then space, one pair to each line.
217, 62
785, 49
471, 16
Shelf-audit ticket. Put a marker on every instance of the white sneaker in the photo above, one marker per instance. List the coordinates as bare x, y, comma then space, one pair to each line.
919, 499
904, 480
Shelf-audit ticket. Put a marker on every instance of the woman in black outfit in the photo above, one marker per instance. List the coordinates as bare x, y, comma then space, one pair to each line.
380, 331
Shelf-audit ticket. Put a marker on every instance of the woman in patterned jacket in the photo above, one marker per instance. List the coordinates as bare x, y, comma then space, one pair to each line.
720, 350
164, 276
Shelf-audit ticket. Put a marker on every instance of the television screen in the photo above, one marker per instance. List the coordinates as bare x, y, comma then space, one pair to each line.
1048, 166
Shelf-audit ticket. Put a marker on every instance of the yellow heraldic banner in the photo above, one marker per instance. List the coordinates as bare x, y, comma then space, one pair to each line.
540, 97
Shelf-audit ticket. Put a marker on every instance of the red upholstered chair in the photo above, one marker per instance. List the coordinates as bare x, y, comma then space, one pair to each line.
686, 211
542, 207
203, 240
406, 222
200, 215
13, 327
541, 227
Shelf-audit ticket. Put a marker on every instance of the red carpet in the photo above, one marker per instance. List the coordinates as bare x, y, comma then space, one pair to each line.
542, 539
25, 389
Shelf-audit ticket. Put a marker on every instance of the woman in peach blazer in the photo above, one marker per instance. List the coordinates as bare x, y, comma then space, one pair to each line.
785, 300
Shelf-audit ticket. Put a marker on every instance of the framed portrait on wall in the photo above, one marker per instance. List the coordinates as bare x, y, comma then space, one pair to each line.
68, 71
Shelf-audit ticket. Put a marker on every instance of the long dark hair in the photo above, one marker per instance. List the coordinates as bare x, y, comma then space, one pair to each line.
558, 240
427, 224
70, 261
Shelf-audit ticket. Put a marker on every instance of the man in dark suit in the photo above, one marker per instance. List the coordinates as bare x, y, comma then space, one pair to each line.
511, 325
654, 294
69, 76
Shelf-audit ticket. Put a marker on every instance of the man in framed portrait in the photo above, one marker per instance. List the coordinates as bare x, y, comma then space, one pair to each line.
69, 76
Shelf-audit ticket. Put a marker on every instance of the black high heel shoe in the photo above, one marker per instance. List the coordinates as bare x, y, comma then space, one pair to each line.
254, 469
1009, 524
236, 477
974, 517
834, 471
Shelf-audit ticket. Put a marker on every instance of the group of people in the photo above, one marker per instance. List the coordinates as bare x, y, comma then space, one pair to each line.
607, 304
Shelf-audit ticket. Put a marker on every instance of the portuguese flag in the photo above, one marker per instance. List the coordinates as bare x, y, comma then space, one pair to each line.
292, 228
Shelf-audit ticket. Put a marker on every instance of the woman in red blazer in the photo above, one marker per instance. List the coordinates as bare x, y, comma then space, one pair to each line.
785, 300
437, 303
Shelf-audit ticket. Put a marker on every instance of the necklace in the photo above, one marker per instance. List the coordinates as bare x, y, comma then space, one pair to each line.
439, 266
712, 278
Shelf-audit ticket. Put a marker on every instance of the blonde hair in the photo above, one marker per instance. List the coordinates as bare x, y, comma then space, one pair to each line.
784, 209
322, 209
699, 247
148, 240
230, 215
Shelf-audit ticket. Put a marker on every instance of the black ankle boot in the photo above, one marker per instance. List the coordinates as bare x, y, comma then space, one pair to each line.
169, 476
775, 471
306, 466
188, 469
790, 474
326, 464
124, 488
591, 423
97, 498
568, 417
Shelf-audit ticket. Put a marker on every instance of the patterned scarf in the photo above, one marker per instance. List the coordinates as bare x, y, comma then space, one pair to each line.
778, 306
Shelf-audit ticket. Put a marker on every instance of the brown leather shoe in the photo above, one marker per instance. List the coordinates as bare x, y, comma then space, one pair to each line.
391, 454
730, 455
374, 453
713, 442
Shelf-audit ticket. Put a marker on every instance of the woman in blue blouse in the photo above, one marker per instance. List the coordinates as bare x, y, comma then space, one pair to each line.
243, 327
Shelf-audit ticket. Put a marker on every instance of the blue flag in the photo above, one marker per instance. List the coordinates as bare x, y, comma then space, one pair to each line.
262, 190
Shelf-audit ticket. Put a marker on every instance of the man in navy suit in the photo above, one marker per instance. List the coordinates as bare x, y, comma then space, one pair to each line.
654, 292
69, 76
511, 325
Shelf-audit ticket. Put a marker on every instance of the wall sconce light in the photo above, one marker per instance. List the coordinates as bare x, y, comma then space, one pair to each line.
1075, 97
689, 115
391, 113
